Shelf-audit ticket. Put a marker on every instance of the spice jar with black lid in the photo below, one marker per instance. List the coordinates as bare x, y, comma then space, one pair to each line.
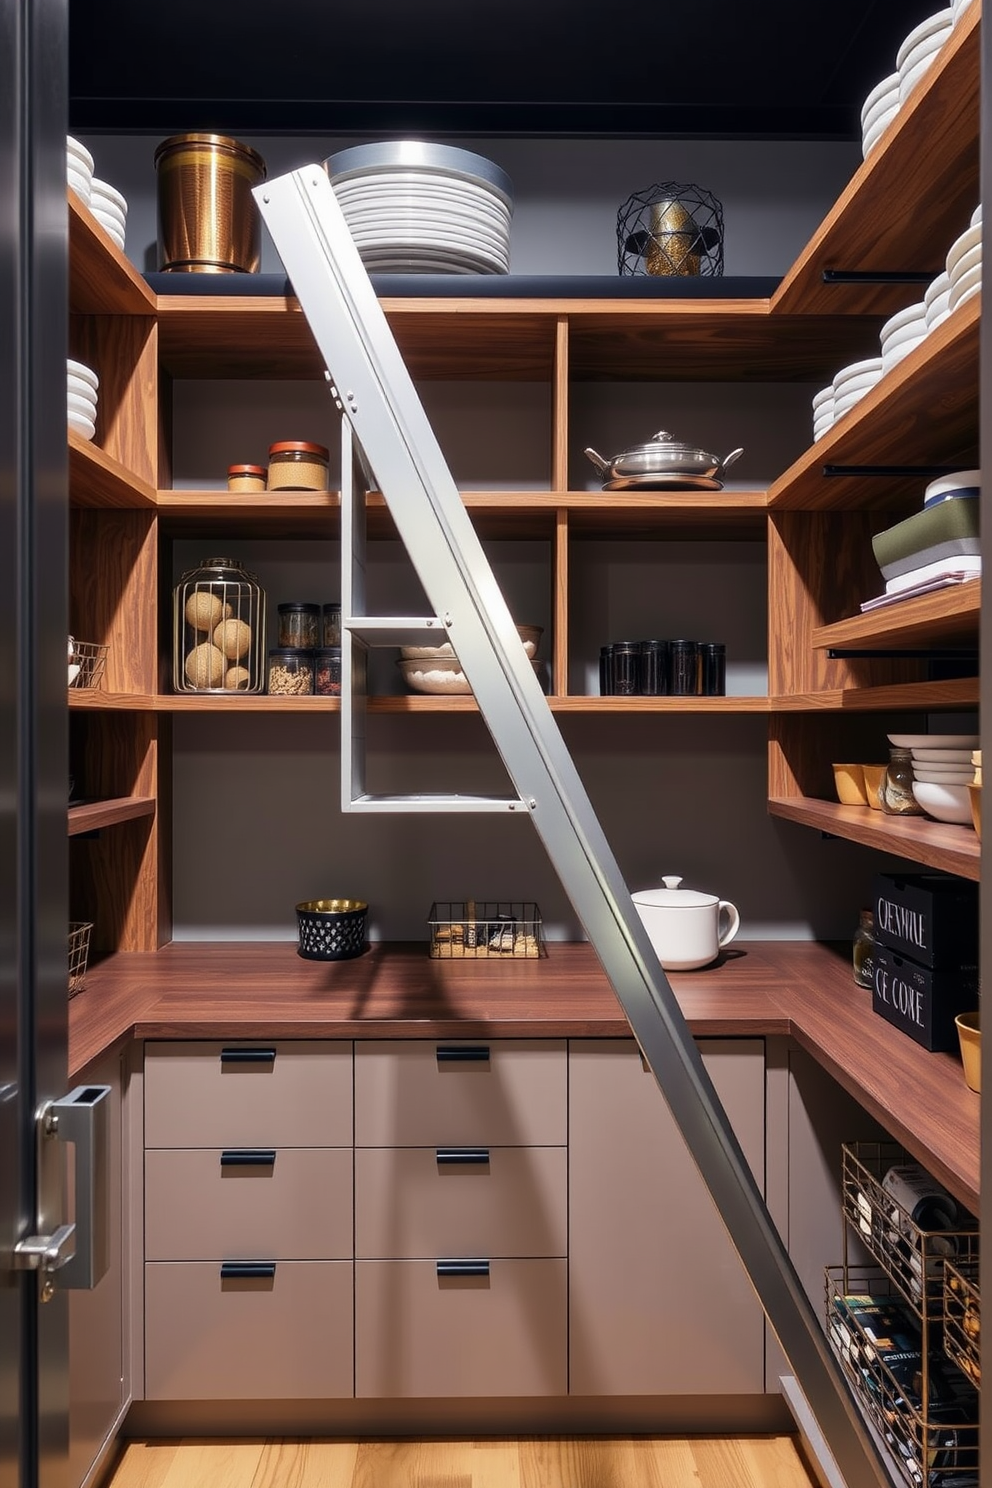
327, 671
299, 625
290, 672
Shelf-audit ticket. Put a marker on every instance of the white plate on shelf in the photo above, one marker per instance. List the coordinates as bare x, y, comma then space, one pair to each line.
874, 135
963, 288
970, 238
80, 369
884, 91
937, 23
84, 426
77, 403
943, 756
81, 389
935, 741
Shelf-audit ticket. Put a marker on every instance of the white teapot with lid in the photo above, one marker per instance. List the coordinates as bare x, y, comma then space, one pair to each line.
687, 928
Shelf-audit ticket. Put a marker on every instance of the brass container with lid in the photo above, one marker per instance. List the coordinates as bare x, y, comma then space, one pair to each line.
208, 222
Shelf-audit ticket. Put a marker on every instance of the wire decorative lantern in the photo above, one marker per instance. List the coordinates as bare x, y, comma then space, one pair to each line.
670, 229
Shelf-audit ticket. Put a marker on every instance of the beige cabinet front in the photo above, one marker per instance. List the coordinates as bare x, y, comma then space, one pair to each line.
427, 1331
659, 1302
240, 1332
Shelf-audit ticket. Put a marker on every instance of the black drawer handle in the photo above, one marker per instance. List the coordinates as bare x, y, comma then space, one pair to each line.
247, 1056
463, 1053
248, 1157
462, 1155
260, 1270
463, 1268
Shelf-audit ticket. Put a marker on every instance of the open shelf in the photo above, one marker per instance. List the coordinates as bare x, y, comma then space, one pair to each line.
102, 281
97, 479
91, 816
941, 845
950, 614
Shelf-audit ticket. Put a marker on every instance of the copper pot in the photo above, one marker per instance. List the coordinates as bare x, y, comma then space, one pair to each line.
208, 222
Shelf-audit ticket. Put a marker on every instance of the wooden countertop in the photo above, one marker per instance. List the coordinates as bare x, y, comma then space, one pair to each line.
798, 989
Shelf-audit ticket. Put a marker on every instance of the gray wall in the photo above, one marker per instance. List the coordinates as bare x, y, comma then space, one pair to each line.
257, 821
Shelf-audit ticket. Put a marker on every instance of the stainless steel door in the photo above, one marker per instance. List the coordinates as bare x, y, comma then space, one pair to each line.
33, 726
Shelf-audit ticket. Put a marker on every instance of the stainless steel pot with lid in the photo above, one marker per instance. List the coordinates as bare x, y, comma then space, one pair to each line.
663, 462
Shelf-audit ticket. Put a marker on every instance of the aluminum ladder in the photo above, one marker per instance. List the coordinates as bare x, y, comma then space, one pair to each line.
384, 425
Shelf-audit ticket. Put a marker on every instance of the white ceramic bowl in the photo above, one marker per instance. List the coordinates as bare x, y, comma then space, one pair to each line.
970, 238
900, 347
935, 741
84, 426
946, 803
859, 384
529, 634
908, 316
938, 286
944, 756
112, 229
76, 151
79, 184
909, 78
442, 674
85, 407
825, 395
965, 288
958, 9
880, 114
936, 24
81, 388
884, 91
103, 192
80, 369
976, 215
873, 135
845, 404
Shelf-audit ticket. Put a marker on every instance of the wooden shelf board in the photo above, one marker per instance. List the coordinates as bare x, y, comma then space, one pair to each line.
876, 224
924, 412
98, 701
97, 479
942, 845
90, 816
102, 281
961, 692
925, 620
424, 703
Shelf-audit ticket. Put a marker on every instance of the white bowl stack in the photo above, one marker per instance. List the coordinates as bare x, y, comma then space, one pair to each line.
942, 772
823, 411
958, 9
78, 168
936, 300
109, 208
82, 388
851, 384
919, 49
901, 332
964, 264
878, 111
415, 207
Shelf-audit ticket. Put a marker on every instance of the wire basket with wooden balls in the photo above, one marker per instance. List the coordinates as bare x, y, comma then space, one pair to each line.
218, 630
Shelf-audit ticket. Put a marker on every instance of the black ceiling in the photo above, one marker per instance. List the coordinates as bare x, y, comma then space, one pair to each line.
698, 69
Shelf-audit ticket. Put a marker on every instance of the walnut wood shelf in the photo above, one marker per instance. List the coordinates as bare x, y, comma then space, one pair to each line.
877, 224
961, 692
90, 816
923, 412
102, 281
96, 479
926, 620
942, 845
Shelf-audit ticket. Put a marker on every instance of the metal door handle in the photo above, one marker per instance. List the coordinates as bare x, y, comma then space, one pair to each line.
463, 1053
461, 1155
463, 1268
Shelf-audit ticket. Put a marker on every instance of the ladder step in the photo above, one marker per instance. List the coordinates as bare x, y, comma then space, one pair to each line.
396, 630
427, 801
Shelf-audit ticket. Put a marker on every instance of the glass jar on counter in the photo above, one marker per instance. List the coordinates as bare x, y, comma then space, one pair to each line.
246, 477
299, 625
297, 465
290, 672
327, 671
896, 793
218, 628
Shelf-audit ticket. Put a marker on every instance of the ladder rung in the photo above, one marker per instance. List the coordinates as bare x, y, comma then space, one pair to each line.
437, 803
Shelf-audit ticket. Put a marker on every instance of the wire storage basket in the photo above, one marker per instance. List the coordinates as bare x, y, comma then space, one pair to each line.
922, 1407
503, 929
331, 929
87, 663
912, 1255
670, 229
79, 953
963, 1319
218, 629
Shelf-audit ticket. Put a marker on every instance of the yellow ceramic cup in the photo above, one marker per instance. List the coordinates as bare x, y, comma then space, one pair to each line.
873, 775
970, 1036
849, 782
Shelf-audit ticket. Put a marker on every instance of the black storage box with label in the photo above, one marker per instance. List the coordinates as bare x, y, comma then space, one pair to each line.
921, 1001
930, 917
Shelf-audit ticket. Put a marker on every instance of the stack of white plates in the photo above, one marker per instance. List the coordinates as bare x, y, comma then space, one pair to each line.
78, 168
823, 411
109, 208
958, 7
852, 382
919, 49
942, 772
935, 299
901, 332
414, 207
82, 387
964, 265
878, 111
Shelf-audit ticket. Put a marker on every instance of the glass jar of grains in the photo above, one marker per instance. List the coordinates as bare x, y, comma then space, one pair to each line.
299, 625
246, 477
295, 465
290, 672
327, 671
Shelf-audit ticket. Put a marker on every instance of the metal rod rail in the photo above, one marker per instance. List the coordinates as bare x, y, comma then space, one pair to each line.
376, 395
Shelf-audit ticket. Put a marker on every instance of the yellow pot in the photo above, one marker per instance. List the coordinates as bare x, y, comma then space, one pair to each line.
849, 782
970, 1038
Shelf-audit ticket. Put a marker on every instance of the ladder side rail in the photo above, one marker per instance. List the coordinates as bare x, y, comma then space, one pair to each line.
377, 396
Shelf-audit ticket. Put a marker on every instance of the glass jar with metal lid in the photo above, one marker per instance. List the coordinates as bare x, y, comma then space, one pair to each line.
299, 625
297, 465
218, 629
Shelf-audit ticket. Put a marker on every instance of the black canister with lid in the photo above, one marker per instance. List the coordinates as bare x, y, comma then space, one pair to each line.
683, 668
713, 668
654, 668
626, 668
327, 671
606, 671
299, 625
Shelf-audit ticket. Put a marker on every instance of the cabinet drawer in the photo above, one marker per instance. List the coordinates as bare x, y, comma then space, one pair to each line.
204, 1204
415, 1202
240, 1094
509, 1093
209, 1337
418, 1334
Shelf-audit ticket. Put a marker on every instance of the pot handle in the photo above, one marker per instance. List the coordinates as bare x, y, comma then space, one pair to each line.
734, 455
603, 466
730, 913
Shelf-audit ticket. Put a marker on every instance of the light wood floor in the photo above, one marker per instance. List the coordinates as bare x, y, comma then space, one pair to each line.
532, 1462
